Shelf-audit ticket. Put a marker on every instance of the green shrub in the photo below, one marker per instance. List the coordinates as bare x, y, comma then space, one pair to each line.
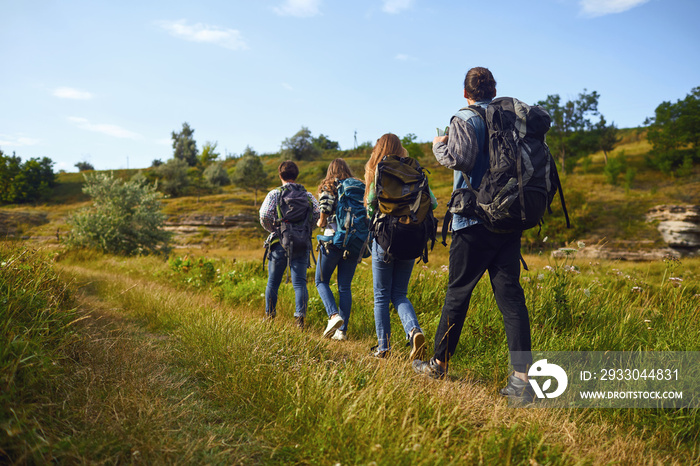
125, 218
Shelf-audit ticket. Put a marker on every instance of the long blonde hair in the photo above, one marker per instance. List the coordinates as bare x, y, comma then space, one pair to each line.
337, 170
388, 144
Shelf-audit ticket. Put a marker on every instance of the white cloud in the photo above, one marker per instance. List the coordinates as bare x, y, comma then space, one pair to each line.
404, 57
396, 6
71, 93
17, 141
299, 8
594, 8
110, 130
227, 38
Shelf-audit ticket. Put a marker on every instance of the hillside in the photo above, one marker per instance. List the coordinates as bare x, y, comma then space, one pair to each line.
600, 212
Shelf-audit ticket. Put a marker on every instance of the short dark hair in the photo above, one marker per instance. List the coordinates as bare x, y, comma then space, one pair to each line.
479, 84
288, 170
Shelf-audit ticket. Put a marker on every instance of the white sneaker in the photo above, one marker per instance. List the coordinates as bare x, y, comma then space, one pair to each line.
333, 323
339, 335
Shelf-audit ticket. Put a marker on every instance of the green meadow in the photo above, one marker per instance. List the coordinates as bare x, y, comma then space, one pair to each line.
153, 360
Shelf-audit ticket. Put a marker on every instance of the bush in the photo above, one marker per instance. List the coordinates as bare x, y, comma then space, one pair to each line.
174, 177
614, 168
216, 175
125, 218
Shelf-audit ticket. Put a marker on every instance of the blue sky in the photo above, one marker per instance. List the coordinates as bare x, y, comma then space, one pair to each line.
107, 82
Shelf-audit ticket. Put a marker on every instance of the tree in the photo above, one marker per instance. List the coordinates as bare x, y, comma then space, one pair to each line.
84, 166
324, 143
250, 174
25, 181
174, 176
571, 133
208, 154
184, 145
300, 146
412, 147
216, 175
674, 133
125, 218
607, 137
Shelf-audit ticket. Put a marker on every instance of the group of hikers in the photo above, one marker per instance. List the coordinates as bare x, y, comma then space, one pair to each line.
389, 215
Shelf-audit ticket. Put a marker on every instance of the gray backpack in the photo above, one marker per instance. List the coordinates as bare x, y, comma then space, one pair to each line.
521, 180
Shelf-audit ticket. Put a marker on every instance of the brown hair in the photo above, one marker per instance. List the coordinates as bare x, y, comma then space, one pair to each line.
288, 170
337, 170
479, 84
389, 144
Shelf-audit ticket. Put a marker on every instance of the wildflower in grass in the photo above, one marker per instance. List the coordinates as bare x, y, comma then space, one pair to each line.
567, 251
444, 268
540, 276
581, 244
675, 281
526, 279
548, 268
544, 240
637, 289
587, 292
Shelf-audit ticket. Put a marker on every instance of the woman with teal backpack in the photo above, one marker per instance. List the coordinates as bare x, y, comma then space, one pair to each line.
340, 246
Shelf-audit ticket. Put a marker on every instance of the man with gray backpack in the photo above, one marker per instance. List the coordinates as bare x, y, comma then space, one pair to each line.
504, 180
289, 213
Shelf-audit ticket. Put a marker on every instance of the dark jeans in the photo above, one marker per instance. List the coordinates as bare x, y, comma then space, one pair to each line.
473, 251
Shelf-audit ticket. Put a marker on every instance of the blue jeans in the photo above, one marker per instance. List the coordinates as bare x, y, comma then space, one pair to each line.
276, 267
391, 286
328, 260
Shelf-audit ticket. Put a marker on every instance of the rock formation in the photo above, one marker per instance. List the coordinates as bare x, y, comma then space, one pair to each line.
679, 226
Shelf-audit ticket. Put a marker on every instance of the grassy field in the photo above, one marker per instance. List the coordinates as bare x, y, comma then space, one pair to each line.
166, 360
115, 360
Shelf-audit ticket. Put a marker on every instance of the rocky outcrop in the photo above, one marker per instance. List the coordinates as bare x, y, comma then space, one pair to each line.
679, 226
192, 223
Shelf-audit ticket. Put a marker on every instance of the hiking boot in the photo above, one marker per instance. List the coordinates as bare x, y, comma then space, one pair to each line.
340, 335
430, 368
417, 341
380, 354
518, 390
334, 323
300, 322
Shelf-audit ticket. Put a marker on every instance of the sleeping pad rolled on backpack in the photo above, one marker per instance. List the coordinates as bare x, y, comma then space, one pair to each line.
403, 224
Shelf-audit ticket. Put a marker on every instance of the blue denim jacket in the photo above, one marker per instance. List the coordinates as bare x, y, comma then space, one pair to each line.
480, 164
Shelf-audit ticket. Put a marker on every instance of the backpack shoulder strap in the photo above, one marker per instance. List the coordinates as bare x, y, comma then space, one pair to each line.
467, 113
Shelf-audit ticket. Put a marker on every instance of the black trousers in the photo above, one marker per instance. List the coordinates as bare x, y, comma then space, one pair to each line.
473, 251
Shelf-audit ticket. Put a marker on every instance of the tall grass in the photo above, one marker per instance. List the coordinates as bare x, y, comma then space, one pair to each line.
35, 332
171, 363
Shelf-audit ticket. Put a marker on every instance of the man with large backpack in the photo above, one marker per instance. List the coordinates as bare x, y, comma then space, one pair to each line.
487, 223
289, 213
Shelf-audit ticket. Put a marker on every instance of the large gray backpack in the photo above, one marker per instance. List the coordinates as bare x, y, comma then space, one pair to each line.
522, 179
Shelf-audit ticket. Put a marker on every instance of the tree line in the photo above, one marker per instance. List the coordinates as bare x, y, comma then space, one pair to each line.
578, 130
